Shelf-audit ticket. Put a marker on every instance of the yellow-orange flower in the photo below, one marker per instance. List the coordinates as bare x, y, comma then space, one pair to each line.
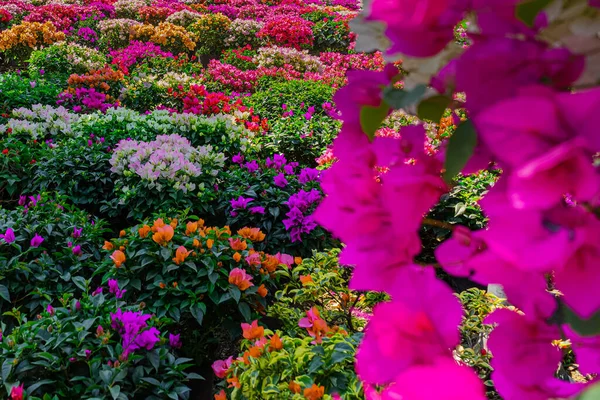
237, 244
118, 258
174, 223
181, 254
209, 243
144, 230
294, 387
252, 234
159, 223
237, 257
305, 279
163, 235
234, 382
108, 245
30, 34
298, 260
262, 291
254, 352
275, 343
122, 233
191, 227
314, 392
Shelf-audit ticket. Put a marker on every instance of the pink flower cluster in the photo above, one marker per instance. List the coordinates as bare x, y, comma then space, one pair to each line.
543, 224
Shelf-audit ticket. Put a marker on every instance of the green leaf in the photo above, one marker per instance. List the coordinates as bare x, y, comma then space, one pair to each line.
197, 313
154, 359
165, 252
79, 281
245, 311
36, 385
527, 10
433, 108
4, 293
6, 368
372, 117
592, 393
401, 99
235, 293
585, 327
460, 148
114, 391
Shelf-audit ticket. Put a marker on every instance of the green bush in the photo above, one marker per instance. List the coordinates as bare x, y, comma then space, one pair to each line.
16, 90
78, 168
186, 279
286, 367
58, 61
210, 30
300, 139
29, 274
331, 35
16, 159
78, 348
295, 94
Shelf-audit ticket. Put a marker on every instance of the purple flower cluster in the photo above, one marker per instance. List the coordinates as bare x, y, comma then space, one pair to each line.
134, 331
135, 52
87, 34
113, 287
89, 99
297, 222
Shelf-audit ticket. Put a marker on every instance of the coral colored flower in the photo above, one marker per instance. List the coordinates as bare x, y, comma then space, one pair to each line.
16, 393
221, 395
314, 392
240, 278
252, 234
294, 387
196, 243
162, 285
143, 231
275, 343
163, 235
314, 324
118, 258
191, 227
237, 244
108, 245
174, 223
297, 260
220, 367
36, 241
159, 223
237, 257
122, 233
305, 279
262, 291
253, 331
253, 259
181, 254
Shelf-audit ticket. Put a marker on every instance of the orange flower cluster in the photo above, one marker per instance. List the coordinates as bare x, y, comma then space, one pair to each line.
169, 36
30, 34
252, 234
103, 80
